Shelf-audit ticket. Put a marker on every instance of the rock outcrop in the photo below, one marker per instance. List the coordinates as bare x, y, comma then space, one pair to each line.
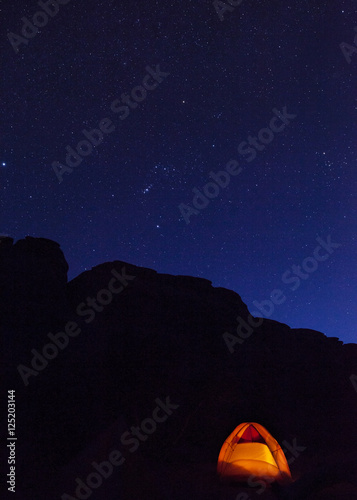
135, 335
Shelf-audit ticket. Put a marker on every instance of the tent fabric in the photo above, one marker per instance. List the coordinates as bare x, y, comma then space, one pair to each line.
251, 435
250, 450
255, 451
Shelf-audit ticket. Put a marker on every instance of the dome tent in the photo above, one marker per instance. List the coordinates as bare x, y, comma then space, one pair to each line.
250, 450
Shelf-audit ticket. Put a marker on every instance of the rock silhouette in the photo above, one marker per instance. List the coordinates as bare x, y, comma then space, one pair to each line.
146, 336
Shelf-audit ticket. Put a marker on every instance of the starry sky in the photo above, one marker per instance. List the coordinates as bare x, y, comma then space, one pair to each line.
215, 75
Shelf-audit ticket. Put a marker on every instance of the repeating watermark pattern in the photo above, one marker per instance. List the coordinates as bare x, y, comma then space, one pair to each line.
11, 427
210, 190
262, 482
88, 309
348, 50
293, 449
266, 134
222, 7
248, 149
40, 19
291, 276
132, 439
353, 379
95, 137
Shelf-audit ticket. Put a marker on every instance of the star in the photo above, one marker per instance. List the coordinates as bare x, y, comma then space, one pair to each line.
187, 160
147, 189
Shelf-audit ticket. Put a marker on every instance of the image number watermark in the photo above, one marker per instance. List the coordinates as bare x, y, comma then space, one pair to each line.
11, 441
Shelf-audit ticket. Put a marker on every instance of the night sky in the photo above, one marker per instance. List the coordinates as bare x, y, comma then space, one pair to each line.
214, 81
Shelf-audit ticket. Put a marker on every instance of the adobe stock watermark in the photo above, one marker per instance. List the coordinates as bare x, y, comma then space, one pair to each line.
60, 340
210, 190
133, 437
292, 276
40, 19
348, 50
248, 148
95, 137
222, 7
353, 379
262, 482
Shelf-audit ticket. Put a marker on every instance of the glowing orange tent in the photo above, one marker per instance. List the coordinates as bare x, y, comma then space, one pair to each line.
252, 451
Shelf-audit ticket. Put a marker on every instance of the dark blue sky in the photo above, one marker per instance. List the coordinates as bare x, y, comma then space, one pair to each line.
222, 81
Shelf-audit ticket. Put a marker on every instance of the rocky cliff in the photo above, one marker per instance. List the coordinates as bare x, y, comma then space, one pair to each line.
90, 359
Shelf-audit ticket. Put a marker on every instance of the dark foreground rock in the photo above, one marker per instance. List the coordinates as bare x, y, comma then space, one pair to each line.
144, 370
